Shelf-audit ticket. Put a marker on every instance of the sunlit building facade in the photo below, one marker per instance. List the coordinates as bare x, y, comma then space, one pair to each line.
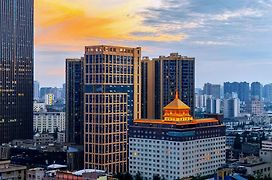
112, 101
16, 69
176, 146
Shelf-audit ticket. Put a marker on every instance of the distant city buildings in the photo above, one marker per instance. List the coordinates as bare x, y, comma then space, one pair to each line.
16, 69
213, 106
74, 101
161, 77
256, 107
212, 89
49, 122
267, 93
11, 171
36, 90
231, 107
49, 99
256, 90
241, 88
176, 146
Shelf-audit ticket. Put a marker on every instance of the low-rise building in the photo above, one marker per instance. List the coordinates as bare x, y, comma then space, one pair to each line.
11, 171
49, 121
35, 174
255, 166
43, 138
86, 174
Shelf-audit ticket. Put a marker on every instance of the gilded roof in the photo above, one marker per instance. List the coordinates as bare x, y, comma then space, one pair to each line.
176, 104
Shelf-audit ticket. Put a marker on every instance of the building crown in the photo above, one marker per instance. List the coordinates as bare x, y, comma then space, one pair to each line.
177, 110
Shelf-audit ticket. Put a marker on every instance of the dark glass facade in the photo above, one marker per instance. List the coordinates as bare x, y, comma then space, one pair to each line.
174, 73
144, 73
16, 69
74, 101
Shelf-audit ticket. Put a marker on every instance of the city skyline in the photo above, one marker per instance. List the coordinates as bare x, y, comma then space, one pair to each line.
216, 34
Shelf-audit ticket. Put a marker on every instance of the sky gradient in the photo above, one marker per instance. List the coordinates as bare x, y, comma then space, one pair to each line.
231, 40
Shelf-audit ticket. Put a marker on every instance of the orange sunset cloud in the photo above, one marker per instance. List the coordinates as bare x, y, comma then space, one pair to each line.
75, 23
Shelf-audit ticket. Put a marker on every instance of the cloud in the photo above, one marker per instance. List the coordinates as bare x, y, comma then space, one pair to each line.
73, 24
241, 13
213, 43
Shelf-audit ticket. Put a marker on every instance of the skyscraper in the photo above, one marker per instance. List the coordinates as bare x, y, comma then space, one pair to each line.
267, 92
212, 89
112, 100
256, 90
36, 90
170, 73
16, 69
241, 88
231, 107
213, 106
74, 101
148, 88
244, 91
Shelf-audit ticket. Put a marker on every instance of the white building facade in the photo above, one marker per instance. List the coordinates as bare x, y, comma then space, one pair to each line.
177, 146
48, 121
231, 108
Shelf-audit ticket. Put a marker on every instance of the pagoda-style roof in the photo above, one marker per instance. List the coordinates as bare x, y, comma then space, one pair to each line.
176, 104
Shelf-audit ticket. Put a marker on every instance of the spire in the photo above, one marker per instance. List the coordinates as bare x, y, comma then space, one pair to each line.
177, 95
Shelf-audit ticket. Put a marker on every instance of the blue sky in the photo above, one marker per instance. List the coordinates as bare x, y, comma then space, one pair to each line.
231, 40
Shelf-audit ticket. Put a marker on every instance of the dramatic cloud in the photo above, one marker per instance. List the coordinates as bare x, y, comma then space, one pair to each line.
218, 33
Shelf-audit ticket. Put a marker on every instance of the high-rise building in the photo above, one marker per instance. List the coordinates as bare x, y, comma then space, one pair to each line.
74, 101
36, 90
229, 88
212, 89
256, 90
242, 90
112, 100
44, 91
231, 107
176, 146
170, 73
148, 88
201, 100
16, 69
213, 106
267, 92
256, 107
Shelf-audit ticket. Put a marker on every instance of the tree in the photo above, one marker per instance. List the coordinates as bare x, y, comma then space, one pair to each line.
237, 142
156, 177
127, 176
138, 176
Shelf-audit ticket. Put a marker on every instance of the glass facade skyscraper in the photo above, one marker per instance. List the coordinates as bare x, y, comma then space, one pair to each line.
74, 101
112, 100
16, 69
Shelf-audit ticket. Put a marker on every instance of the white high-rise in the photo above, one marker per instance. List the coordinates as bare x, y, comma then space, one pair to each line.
231, 107
213, 106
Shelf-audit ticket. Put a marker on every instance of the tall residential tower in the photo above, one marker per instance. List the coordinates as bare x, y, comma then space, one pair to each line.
16, 69
112, 100
161, 77
74, 101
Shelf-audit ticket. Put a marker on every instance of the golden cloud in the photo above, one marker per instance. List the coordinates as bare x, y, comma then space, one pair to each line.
79, 22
